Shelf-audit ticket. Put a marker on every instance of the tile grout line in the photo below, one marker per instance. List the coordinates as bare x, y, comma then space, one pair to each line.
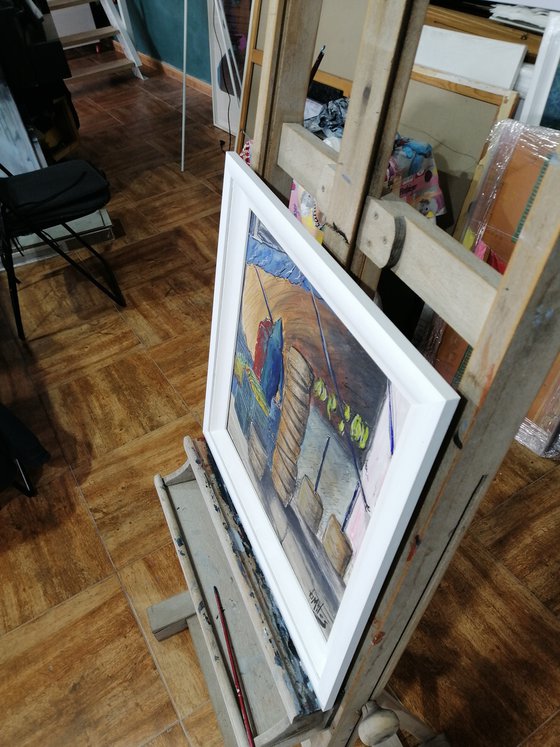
523, 588
516, 494
130, 605
535, 731
150, 649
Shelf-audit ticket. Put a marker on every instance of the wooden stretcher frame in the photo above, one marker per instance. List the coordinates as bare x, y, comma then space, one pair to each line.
504, 100
507, 319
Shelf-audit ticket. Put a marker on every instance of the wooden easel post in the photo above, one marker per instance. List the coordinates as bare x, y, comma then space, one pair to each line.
291, 31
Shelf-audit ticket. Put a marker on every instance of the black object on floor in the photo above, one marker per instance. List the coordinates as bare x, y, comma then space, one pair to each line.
20, 450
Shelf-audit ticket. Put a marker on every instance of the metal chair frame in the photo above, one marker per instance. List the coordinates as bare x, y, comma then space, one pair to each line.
8, 239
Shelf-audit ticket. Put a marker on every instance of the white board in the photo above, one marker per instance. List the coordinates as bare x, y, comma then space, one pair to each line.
545, 69
490, 61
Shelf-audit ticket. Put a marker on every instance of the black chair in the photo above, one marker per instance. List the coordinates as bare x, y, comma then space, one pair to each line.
33, 202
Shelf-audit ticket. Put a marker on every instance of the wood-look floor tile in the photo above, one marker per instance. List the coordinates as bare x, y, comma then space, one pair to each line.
548, 735
166, 89
202, 728
15, 385
200, 241
94, 117
165, 308
147, 111
216, 181
519, 468
199, 106
206, 164
522, 533
33, 416
55, 359
132, 151
481, 665
55, 297
130, 225
49, 549
114, 92
184, 361
138, 183
149, 259
102, 143
182, 206
104, 409
119, 489
197, 137
81, 675
173, 737
166, 125
151, 580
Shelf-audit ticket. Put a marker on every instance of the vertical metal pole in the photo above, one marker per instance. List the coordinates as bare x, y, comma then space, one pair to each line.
184, 109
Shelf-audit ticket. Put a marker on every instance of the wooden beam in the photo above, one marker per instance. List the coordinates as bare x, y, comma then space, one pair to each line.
457, 285
437, 78
464, 87
360, 265
273, 32
454, 20
482, 436
248, 73
309, 161
449, 278
288, 57
389, 40
329, 79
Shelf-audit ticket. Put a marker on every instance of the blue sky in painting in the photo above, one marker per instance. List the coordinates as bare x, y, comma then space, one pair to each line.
276, 262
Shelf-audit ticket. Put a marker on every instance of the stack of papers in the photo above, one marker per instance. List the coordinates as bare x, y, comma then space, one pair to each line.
531, 19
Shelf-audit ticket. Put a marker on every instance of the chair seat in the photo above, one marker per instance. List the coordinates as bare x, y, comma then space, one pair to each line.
57, 194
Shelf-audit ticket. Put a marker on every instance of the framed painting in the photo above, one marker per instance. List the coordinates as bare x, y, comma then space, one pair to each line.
322, 418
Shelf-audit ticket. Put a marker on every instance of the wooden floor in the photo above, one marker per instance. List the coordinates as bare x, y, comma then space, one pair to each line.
111, 392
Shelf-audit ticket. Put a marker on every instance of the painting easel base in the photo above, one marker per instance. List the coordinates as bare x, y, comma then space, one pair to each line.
212, 551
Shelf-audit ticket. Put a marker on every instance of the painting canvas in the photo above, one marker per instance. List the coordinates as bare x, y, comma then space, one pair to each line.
322, 420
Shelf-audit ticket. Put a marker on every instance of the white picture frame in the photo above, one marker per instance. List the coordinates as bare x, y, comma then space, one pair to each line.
412, 405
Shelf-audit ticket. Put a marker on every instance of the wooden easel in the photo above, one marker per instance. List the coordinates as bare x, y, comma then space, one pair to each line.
512, 323
509, 320
213, 552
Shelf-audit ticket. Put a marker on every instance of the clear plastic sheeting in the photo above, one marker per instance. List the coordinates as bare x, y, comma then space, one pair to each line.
516, 160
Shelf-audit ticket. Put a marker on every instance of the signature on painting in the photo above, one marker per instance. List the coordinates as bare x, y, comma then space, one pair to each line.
318, 608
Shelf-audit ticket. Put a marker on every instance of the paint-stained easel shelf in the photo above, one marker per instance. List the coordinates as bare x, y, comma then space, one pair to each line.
214, 552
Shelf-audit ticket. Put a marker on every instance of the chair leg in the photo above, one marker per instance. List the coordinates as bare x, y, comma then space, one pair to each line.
8, 262
24, 484
113, 291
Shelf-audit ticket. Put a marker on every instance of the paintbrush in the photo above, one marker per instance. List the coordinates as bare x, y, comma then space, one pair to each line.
234, 672
316, 65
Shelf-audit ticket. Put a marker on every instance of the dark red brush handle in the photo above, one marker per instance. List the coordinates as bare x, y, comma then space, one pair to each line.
234, 673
